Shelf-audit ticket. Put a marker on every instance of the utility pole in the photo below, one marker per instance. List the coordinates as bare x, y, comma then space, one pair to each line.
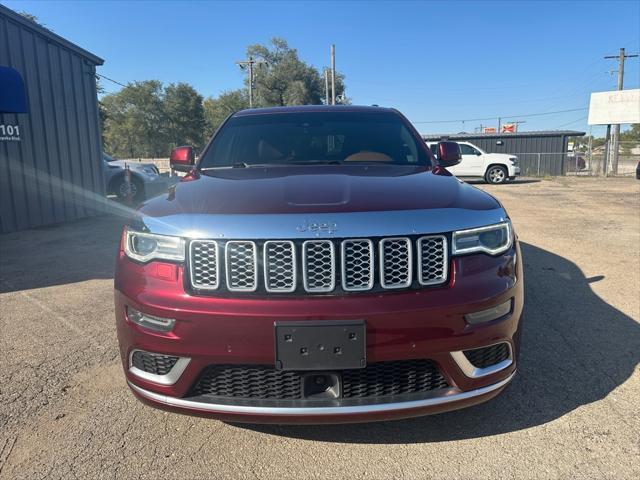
248, 64
616, 128
326, 86
333, 74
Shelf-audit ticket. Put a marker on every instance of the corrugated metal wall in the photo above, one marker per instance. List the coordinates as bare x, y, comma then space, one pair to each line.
54, 173
539, 155
542, 155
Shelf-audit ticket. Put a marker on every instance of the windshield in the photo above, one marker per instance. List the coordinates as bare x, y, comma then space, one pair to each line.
314, 138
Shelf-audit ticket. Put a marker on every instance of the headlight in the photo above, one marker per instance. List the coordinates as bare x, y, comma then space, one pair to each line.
145, 247
514, 160
493, 239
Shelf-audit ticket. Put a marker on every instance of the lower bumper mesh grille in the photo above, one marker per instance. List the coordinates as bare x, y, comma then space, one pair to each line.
392, 378
265, 382
153, 362
487, 356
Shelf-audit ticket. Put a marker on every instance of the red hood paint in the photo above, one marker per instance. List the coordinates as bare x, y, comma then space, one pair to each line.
317, 189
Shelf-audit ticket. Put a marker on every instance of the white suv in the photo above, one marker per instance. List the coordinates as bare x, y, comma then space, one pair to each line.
493, 167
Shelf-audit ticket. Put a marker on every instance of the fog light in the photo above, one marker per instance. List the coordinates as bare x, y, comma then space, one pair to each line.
151, 322
489, 314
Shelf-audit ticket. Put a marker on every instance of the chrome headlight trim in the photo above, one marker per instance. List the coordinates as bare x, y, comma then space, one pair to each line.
456, 235
166, 248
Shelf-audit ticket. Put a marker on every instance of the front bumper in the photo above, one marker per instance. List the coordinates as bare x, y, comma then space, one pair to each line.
413, 324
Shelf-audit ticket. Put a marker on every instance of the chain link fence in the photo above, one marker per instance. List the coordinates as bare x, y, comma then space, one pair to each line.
582, 162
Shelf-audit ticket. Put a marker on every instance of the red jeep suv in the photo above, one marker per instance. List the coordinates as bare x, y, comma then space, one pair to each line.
318, 265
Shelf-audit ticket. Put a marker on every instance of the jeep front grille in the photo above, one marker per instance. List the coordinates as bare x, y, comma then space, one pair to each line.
318, 266
395, 262
279, 266
357, 264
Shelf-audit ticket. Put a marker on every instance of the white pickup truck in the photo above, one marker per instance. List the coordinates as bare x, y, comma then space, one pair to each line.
493, 167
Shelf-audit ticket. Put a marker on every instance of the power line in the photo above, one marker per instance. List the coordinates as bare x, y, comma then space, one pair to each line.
572, 122
504, 116
110, 79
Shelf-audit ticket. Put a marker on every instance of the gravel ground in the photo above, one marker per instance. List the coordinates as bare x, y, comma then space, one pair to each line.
572, 410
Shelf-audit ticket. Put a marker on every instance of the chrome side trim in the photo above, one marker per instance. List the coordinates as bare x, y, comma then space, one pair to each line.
473, 372
448, 396
169, 379
347, 224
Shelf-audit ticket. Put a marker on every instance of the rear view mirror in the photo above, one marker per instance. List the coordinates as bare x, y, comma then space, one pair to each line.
448, 154
182, 159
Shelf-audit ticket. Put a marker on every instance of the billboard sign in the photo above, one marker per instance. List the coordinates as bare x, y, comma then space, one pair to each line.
489, 129
615, 107
509, 128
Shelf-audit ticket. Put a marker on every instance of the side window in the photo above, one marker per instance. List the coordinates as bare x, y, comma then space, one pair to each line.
467, 149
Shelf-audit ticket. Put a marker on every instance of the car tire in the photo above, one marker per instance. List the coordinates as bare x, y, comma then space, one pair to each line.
496, 174
137, 190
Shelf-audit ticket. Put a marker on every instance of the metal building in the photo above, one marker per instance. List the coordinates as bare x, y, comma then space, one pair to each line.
539, 153
51, 156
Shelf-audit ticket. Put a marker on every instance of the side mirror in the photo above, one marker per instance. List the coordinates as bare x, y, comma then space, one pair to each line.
448, 154
182, 159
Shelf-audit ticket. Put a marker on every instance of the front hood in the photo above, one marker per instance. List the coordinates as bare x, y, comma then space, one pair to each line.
311, 202
325, 189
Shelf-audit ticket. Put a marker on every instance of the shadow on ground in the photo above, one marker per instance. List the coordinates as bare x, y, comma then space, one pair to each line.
518, 181
60, 254
575, 350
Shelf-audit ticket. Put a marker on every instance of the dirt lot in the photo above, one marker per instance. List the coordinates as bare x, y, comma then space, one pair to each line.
572, 410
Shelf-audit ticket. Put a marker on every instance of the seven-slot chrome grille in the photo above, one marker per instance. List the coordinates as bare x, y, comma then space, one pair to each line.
318, 266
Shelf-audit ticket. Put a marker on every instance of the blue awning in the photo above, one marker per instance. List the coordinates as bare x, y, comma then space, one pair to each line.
13, 98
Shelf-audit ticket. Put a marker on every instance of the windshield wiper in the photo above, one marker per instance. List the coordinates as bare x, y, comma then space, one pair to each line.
235, 165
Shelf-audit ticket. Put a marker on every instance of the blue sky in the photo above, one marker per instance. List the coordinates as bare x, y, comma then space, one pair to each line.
434, 61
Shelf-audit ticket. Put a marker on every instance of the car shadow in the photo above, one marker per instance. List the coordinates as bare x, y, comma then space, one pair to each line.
518, 181
575, 350
60, 254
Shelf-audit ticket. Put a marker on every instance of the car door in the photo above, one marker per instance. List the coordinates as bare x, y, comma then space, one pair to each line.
471, 164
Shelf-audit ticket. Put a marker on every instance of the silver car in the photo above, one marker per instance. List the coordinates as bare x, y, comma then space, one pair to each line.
146, 180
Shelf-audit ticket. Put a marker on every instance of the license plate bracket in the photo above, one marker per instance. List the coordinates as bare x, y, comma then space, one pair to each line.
321, 345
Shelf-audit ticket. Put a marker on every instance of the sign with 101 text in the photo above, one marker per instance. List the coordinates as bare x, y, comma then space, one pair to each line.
9, 133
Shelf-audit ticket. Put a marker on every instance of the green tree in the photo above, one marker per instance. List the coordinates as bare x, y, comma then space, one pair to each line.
631, 135
135, 124
217, 109
285, 79
184, 113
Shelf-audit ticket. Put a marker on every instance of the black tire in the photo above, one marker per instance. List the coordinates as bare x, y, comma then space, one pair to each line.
496, 174
137, 190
